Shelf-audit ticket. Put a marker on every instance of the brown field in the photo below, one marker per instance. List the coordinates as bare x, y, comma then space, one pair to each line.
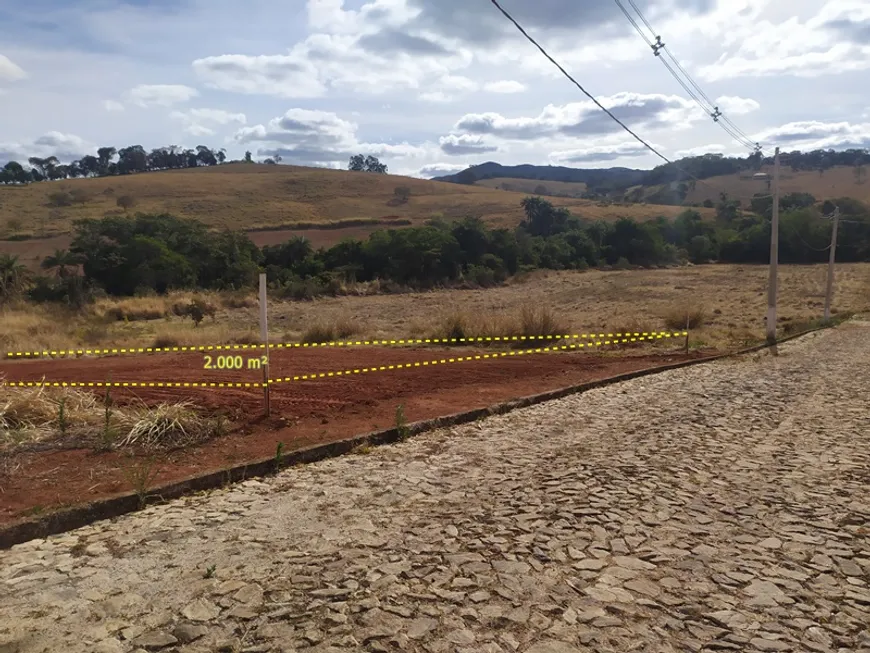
245, 197
836, 182
732, 297
555, 188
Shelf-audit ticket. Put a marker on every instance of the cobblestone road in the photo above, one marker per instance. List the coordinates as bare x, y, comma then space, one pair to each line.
721, 507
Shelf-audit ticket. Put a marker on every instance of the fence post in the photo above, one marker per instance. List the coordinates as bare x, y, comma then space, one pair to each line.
264, 336
687, 333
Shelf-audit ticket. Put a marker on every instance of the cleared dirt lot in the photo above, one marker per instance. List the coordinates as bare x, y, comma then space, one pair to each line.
303, 413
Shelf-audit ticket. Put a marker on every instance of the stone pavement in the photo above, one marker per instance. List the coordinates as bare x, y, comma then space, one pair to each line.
722, 507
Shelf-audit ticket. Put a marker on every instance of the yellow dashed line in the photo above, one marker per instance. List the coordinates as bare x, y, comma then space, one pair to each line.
648, 335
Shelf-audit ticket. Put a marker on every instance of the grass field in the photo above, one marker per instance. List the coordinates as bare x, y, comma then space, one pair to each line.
730, 298
244, 196
836, 182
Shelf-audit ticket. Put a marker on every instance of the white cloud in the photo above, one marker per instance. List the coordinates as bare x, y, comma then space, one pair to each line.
504, 86
319, 138
9, 70
832, 41
164, 95
66, 147
584, 119
196, 121
814, 134
459, 144
713, 148
736, 106
112, 105
599, 153
439, 170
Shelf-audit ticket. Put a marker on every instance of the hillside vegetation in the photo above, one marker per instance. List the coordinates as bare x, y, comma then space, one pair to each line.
532, 186
249, 196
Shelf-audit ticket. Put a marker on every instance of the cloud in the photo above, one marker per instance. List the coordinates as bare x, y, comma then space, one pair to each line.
736, 106
599, 153
813, 135
9, 70
482, 24
439, 170
504, 86
66, 147
584, 119
461, 144
112, 105
364, 55
713, 148
164, 95
833, 41
448, 88
278, 75
196, 121
319, 138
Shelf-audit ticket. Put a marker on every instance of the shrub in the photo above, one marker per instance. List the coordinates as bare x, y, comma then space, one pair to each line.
539, 325
676, 318
60, 198
126, 202
402, 193
319, 332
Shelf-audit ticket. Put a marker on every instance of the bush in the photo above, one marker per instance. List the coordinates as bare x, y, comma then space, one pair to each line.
320, 332
126, 202
402, 193
676, 318
622, 264
60, 198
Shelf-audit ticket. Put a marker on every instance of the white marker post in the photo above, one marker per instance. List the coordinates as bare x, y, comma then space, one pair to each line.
264, 336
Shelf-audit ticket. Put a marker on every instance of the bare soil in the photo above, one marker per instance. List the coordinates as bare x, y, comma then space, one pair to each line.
304, 413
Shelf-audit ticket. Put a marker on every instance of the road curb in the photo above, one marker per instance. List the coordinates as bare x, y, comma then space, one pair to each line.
111, 507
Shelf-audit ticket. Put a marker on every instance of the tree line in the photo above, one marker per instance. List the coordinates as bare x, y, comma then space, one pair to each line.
157, 253
110, 161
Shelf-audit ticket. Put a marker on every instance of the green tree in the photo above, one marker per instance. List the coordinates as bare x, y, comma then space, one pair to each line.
13, 277
64, 263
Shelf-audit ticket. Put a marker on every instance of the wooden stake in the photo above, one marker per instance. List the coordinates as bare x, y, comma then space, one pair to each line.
264, 336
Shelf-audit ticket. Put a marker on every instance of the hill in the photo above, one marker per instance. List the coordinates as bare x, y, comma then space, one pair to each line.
608, 177
536, 187
276, 197
834, 182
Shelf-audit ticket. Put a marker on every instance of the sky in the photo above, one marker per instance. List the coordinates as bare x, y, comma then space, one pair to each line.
429, 86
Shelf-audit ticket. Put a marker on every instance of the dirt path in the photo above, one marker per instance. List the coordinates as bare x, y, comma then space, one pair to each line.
719, 507
303, 413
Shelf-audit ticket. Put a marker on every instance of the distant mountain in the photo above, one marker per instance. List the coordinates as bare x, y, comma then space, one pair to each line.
598, 177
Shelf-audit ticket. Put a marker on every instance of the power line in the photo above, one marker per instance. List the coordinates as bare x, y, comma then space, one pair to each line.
597, 103
695, 92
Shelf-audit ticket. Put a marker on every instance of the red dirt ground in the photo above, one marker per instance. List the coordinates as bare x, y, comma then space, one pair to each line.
303, 413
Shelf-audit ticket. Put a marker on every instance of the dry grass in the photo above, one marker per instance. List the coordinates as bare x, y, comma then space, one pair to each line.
529, 326
257, 197
640, 300
41, 414
331, 331
686, 316
836, 182
560, 188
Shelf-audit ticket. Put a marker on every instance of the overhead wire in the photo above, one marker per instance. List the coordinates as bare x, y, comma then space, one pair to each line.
601, 106
692, 88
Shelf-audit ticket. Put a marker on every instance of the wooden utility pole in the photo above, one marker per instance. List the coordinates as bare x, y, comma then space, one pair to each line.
774, 256
264, 336
829, 291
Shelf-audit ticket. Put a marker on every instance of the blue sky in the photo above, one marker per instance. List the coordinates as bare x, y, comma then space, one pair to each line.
428, 87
